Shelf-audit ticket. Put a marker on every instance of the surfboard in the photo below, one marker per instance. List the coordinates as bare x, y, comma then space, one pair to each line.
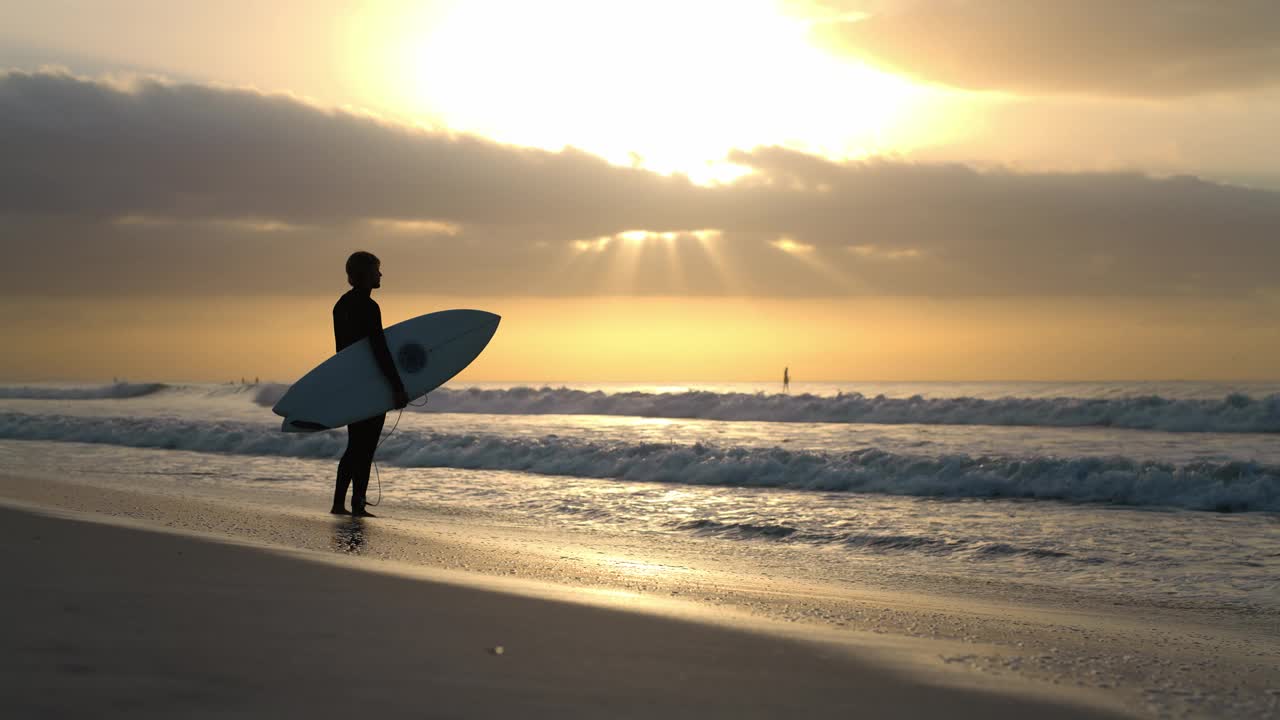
428, 350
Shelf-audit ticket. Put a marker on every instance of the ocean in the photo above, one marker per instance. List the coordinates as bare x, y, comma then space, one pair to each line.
1159, 492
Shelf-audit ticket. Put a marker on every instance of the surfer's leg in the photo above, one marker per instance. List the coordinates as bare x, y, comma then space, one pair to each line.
340, 491
345, 465
369, 433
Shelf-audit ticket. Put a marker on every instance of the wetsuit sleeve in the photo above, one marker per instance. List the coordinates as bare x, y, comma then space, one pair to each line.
382, 353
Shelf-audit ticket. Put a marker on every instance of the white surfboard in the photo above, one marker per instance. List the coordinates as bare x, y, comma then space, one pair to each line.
427, 350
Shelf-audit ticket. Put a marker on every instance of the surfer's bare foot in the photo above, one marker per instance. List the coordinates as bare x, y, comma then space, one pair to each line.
338, 510
361, 512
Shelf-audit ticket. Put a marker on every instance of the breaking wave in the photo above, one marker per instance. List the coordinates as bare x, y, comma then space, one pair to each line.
1235, 413
1215, 486
101, 392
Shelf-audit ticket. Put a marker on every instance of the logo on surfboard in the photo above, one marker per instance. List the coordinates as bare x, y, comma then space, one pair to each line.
412, 357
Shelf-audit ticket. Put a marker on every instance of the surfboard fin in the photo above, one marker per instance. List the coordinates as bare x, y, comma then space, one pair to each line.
292, 425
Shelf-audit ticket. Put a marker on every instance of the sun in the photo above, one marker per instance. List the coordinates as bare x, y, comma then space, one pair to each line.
670, 85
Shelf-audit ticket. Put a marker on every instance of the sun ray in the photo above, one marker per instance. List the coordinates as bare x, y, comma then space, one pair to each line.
811, 258
671, 244
710, 242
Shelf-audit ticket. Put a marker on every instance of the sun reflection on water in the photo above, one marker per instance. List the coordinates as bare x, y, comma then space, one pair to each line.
642, 568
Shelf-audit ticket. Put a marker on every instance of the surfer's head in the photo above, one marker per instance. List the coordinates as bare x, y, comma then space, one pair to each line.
364, 270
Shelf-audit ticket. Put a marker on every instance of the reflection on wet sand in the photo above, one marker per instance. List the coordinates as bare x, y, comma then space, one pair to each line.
348, 535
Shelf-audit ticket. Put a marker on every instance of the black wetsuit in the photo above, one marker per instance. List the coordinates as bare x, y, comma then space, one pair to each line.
356, 317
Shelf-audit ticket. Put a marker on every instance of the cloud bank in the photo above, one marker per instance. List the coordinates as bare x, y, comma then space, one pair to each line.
155, 187
1139, 48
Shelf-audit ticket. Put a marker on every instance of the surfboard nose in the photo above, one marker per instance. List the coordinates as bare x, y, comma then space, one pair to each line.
484, 317
484, 325
482, 322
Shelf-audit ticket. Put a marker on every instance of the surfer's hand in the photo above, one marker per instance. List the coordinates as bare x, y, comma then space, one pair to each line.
401, 398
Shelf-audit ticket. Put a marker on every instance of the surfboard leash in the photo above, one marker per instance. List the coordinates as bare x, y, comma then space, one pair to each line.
394, 425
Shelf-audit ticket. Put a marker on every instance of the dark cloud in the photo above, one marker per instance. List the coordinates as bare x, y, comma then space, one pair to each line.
166, 189
1142, 48
73, 146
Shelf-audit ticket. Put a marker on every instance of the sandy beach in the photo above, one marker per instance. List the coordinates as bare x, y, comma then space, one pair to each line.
121, 616
164, 604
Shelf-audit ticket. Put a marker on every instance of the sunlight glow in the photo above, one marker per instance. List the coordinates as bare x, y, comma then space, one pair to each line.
251, 225
597, 245
667, 85
415, 227
788, 245
614, 259
637, 237
874, 251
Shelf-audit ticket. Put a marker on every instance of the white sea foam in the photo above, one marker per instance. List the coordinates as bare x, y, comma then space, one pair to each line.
1236, 413
1220, 486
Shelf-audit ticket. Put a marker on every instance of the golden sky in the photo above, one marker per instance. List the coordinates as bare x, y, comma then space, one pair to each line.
666, 191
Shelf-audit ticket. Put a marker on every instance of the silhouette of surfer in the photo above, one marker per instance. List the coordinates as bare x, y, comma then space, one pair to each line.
355, 317
786, 379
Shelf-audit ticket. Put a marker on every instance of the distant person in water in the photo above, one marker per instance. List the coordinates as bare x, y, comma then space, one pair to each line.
356, 317
786, 379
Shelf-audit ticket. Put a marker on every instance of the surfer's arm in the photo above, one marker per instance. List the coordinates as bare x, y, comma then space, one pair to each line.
382, 353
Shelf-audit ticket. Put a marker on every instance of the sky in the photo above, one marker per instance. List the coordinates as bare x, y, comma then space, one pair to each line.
701, 190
